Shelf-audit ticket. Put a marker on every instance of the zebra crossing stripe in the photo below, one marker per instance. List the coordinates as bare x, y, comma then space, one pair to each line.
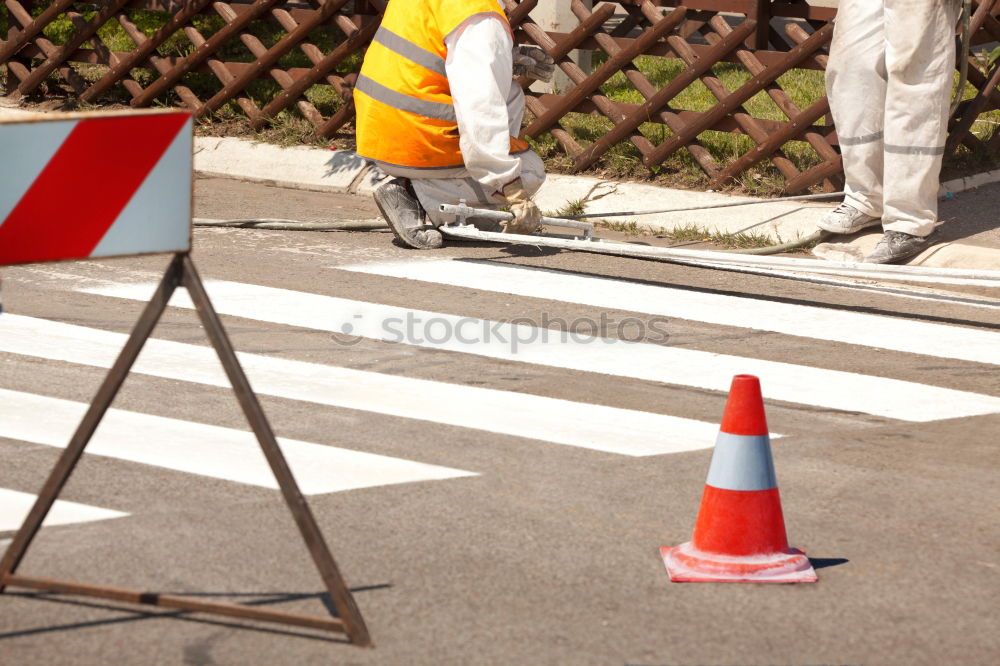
206, 450
596, 427
832, 389
808, 321
15, 505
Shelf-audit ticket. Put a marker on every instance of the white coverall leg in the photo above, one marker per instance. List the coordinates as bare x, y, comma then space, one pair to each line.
889, 79
432, 192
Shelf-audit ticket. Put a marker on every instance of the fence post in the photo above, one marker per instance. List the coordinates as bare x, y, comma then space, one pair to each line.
556, 16
761, 13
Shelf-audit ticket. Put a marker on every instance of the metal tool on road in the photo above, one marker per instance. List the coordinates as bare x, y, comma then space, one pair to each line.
464, 212
767, 265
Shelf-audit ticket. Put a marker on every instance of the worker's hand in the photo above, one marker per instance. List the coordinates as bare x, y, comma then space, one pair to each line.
527, 217
533, 62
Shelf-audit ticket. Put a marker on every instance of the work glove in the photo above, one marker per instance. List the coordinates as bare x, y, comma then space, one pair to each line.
533, 62
527, 217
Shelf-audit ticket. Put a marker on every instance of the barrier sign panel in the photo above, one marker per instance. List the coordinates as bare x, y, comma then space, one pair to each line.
86, 185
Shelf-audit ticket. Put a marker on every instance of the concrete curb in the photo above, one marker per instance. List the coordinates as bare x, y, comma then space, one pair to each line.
343, 171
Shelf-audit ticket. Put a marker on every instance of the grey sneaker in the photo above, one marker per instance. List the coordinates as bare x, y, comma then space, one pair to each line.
896, 246
846, 219
407, 220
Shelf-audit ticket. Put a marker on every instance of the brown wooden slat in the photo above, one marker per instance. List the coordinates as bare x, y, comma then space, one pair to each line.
201, 53
217, 68
746, 122
123, 66
665, 114
360, 37
972, 112
798, 125
45, 47
605, 72
265, 58
57, 58
288, 22
586, 27
744, 92
661, 98
162, 65
578, 76
31, 30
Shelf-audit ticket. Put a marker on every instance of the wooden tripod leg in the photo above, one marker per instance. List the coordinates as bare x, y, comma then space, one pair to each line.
98, 406
343, 601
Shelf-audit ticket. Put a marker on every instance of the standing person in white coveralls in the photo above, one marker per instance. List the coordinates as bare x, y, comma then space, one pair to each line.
437, 108
889, 79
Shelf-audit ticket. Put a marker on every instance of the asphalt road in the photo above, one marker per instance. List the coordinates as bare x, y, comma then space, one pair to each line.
521, 488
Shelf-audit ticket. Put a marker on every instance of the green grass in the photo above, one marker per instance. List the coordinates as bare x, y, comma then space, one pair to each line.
692, 234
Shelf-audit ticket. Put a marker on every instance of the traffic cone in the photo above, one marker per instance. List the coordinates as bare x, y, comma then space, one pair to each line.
739, 536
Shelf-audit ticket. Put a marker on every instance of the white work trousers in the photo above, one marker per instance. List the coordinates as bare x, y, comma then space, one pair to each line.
889, 79
460, 185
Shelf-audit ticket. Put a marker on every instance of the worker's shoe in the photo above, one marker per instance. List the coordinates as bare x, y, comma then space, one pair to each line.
896, 246
846, 219
407, 219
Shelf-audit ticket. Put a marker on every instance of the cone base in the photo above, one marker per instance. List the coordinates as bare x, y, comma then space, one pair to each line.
686, 564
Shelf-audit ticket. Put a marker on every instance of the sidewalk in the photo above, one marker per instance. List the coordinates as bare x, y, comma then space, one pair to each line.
971, 235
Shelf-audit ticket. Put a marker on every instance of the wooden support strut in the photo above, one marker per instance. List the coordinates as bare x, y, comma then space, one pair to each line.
181, 272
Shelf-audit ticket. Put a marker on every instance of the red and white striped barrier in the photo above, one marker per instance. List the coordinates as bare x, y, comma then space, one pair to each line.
83, 185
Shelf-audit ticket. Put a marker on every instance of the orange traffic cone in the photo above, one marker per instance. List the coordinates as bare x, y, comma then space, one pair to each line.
739, 536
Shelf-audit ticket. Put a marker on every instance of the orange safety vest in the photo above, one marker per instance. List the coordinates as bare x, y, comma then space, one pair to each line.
402, 99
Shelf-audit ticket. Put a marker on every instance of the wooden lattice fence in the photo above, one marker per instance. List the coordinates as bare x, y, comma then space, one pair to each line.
267, 56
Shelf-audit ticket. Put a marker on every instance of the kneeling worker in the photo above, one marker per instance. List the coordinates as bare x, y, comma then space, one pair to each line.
438, 109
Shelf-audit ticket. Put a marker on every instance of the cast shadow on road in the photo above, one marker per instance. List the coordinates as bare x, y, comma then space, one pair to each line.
188, 616
824, 562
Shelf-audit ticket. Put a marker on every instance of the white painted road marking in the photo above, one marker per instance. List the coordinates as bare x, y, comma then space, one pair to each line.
832, 389
207, 450
15, 505
808, 321
600, 428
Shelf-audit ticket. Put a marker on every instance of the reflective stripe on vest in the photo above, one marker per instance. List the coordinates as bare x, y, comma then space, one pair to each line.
403, 105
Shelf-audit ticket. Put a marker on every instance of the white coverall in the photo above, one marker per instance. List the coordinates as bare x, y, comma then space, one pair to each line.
889, 79
489, 107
